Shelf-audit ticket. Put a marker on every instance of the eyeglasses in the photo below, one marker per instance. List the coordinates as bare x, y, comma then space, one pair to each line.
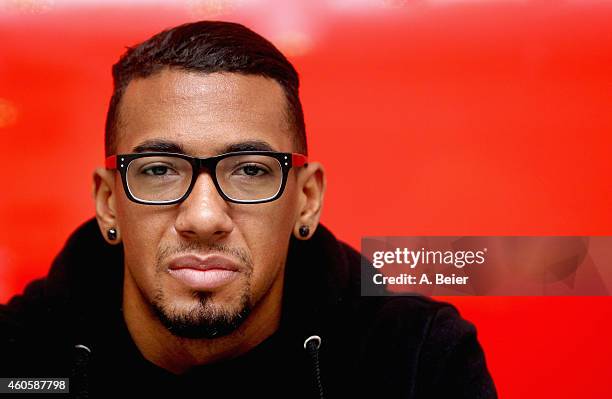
246, 177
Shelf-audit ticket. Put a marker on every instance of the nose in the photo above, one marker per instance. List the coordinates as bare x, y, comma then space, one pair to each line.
203, 215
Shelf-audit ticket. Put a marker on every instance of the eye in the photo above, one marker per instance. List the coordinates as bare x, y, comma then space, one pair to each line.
158, 170
252, 170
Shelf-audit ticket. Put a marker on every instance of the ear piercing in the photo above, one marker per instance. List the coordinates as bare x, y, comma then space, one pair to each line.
112, 234
304, 231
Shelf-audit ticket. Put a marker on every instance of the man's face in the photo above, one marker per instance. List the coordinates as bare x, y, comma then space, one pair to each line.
204, 115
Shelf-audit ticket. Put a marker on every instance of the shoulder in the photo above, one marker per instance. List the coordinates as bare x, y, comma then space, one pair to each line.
41, 322
415, 346
419, 347
428, 319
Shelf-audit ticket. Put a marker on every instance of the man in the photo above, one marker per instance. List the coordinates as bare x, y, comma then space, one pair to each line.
206, 271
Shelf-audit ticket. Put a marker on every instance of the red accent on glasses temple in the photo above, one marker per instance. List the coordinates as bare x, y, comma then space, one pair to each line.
111, 162
298, 159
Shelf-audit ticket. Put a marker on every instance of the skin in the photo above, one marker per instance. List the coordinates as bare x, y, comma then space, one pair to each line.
205, 113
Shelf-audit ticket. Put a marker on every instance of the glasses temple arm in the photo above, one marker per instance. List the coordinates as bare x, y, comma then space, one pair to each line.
111, 162
298, 160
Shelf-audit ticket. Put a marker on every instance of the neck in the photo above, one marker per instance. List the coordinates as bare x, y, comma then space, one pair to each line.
177, 354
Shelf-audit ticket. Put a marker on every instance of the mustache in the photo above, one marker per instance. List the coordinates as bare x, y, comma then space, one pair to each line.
165, 252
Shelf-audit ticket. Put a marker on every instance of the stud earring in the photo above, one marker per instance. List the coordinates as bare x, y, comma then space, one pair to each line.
112, 234
304, 231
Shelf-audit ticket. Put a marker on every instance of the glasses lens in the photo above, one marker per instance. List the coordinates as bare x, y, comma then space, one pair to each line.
249, 177
159, 178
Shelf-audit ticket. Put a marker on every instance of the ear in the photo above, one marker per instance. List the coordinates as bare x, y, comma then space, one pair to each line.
311, 183
104, 194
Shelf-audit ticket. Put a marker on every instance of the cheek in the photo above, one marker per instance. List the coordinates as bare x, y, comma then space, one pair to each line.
142, 229
268, 241
266, 230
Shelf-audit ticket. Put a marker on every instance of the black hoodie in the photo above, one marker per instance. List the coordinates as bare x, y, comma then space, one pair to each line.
70, 324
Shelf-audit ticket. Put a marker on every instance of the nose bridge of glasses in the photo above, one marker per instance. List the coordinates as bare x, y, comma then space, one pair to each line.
204, 165
207, 165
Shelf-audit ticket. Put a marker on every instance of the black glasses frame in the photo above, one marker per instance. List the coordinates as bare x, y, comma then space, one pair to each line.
287, 160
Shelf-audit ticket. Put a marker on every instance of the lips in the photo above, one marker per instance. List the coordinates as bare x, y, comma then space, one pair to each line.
209, 262
203, 273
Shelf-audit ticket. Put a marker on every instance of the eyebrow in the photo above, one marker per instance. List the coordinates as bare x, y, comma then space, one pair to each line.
250, 145
161, 145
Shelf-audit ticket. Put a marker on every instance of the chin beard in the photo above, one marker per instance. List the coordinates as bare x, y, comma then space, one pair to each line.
204, 320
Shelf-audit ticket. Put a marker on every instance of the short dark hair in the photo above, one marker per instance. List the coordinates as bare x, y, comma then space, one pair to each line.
208, 47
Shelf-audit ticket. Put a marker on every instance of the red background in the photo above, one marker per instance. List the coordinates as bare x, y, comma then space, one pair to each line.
432, 117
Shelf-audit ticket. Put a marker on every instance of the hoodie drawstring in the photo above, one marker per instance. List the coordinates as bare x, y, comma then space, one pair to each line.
312, 344
80, 371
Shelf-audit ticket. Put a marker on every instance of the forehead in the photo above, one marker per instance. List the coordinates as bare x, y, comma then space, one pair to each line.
203, 112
